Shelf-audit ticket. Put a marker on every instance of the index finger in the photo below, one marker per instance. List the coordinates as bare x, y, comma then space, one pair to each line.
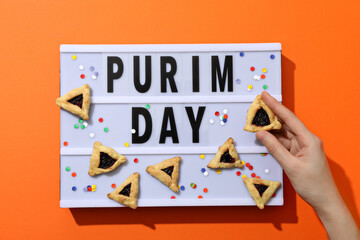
288, 117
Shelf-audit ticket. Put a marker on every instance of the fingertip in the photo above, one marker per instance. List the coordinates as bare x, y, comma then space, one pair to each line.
261, 135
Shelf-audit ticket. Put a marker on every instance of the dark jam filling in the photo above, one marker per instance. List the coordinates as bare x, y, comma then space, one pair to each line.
78, 101
227, 158
126, 190
261, 118
168, 170
261, 188
106, 161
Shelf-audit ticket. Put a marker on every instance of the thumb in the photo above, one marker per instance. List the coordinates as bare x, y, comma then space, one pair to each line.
279, 152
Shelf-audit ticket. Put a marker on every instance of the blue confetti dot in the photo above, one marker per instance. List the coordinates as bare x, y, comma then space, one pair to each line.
85, 189
92, 68
238, 81
182, 188
224, 120
88, 186
74, 188
203, 170
242, 54
96, 73
272, 56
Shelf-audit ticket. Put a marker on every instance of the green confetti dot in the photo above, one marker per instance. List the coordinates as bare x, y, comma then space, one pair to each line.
81, 120
76, 126
106, 129
265, 86
67, 168
82, 126
147, 106
192, 185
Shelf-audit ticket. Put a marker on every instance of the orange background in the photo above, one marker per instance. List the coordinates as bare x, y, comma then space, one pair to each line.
321, 50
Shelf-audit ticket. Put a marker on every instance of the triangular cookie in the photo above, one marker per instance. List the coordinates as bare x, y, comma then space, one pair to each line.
76, 101
260, 118
104, 159
127, 192
261, 190
167, 172
226, 156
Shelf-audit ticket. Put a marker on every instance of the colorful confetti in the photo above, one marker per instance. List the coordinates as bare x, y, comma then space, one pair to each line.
182, 188
73, 174
73, 57
203, 170
206, 173
101, 120
82, 76
238, 173
266, 170
126, 144
73, 188
252, 69
218, 171
136, 160
81, 67
202, 156
92, 135
76, 126
205, 190
272, 56
66, 143
242, 54
238, 81
113, 185
147, 106
212, 121
67, 169
106, 129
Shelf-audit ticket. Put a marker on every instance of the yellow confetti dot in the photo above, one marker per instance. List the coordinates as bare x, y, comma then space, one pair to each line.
179, 186
243, 176
126, 144
250, 87
202, 156
218, 171
93, 188
73, 57
264, 70
242, 162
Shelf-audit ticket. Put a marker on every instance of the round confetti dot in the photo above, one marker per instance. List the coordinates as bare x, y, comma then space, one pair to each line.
192, 185
222, 123
200, 197
218, 171
206, 173
182, 188
253, 175
73, 188
92, 135
73, 174
272, 56
202, 156
91, 68
226, 116
225, 111
89, 189
85, 189
225, 120
266, 170
217, 113
256, 77
101, 119
106, 129
238, 81
81, 67
242, 54
76, 126
96, 74
172, 197
133, 131
126, 144
178, 186
81, 120
242, 162
93, 188
238, 173
113, 185
136, 160
250, 87
67, 169
251, 168
86, 124
82, 76
247, 164
205, 190
66, 143
257, 176
203, 170
243, 176
73, 57
263, 154
274, 195
212, 121
82, 126
93, 77
262, 76
265, 86
147, 106
264, 70
221, 117
252, 69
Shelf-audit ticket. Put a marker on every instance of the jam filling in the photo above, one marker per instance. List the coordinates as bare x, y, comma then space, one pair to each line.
106, 161
227, 158
78, 101
168, 170
261, 188
261, 118
126, 190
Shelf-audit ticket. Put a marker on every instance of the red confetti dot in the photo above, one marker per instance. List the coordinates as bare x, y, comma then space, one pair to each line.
66, 143
262, 76
101, 119
172, 197
225, 116
82, 76
113, 185
253, 175
274, 195
136, 160
238, 173
89, 189
252, 69
257, 176
195, 186
251, 167
205, 190
200, 197
73, 174
217, 113
247, 164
